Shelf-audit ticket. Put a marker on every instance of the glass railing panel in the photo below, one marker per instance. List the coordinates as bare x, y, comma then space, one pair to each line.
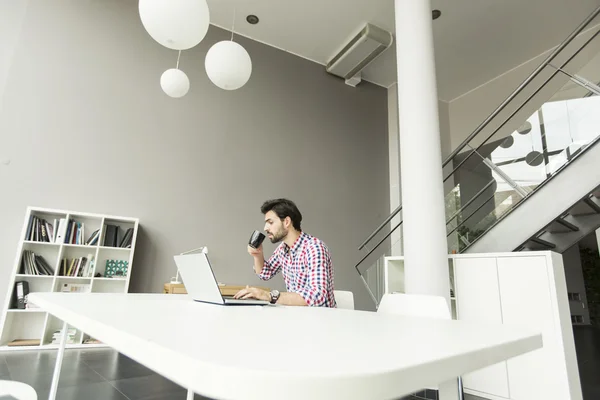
371, 269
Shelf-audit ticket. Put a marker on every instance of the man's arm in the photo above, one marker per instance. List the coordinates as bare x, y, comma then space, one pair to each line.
319, 275
265, 269
285, 298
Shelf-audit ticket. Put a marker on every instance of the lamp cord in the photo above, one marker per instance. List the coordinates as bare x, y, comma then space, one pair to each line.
179, 55
233, 25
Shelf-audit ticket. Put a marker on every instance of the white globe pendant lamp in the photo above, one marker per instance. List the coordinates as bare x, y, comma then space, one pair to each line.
228, 65
175, 24
175, 83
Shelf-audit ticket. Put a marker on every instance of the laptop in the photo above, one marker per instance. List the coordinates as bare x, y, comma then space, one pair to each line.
201, 284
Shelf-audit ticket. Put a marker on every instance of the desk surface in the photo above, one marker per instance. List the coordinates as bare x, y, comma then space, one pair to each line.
250, 352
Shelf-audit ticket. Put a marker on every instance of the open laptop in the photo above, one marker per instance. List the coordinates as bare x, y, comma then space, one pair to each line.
200, 282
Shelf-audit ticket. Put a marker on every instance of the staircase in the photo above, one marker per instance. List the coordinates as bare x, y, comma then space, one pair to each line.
514, 185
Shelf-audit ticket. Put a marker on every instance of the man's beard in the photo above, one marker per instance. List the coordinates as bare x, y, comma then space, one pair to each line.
279, 236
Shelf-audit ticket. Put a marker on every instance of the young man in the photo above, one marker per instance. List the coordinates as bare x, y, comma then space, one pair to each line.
303, 260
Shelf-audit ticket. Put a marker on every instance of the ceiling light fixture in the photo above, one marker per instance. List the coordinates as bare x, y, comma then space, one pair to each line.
252, 19
435, 14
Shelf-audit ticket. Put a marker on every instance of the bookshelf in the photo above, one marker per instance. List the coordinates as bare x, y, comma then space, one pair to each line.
82, 253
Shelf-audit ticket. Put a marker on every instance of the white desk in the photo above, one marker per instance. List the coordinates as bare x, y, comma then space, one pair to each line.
293, 353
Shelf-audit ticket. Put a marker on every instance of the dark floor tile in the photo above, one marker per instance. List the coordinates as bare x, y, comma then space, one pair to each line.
4, 373
120, 370
44, 364
93, 391
89, 355
142, 387
42, 379
27, 358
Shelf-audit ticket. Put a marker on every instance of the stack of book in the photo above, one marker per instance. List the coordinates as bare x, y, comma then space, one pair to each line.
33, 264
82, 266
39, 230
113, 238
71, 332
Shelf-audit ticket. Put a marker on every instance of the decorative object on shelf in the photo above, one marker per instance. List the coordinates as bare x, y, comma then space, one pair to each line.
116, 269
228, 65
175, 24
75, 288
174, 82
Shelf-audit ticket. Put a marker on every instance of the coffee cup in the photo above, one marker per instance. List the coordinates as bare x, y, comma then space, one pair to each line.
256, 239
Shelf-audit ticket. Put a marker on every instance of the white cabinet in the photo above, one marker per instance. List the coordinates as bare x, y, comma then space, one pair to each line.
481, 303
526, 289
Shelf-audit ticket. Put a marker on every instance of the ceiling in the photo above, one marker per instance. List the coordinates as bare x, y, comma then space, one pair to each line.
475, 40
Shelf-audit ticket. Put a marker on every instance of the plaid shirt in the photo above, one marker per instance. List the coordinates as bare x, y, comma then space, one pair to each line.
307, 270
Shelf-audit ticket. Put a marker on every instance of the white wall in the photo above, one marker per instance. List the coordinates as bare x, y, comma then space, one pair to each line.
11, 18
87, 128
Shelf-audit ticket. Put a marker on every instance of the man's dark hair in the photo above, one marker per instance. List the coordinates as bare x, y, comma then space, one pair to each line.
283, 208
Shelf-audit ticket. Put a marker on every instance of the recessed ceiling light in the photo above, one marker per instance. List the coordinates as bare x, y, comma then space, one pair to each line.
435, 14
252, 19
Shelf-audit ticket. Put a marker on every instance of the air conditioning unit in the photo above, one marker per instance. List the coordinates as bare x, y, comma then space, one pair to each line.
360, 51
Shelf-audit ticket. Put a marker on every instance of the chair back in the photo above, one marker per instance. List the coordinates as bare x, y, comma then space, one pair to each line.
344, 299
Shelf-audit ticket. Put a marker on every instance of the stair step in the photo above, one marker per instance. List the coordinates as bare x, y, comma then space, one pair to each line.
581, 208
592, 204
539, 244
559, 225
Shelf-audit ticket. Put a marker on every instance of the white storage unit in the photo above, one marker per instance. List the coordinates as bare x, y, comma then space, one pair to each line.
526, 288
32, 325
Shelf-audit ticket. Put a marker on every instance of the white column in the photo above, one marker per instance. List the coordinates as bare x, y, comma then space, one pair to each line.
394, 168
424, 227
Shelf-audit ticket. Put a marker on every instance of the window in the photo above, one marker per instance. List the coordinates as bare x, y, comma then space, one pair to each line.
574, 296
577, 319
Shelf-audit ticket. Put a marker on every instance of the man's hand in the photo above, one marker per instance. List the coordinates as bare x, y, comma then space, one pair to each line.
259, 258
256, 252
253, 293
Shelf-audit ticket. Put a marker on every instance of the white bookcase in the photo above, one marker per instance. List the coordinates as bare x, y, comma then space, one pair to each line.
525, 289
36, 325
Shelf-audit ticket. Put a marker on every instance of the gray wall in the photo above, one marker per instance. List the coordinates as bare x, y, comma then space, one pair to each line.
86, 127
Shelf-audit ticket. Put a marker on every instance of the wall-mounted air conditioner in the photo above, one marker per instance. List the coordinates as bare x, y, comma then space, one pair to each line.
360, 51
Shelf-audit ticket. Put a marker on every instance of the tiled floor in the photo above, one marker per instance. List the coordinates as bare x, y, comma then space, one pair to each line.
89, 374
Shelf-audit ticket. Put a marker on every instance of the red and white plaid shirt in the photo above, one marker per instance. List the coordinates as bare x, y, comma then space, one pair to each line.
307, 270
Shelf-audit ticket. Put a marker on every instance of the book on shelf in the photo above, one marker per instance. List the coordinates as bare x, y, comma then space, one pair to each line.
57, 336
34, 264
77, 267
20, 294
111, 233
25, 342
29, 305
93, 239
40, 230
75, 232
127, 239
